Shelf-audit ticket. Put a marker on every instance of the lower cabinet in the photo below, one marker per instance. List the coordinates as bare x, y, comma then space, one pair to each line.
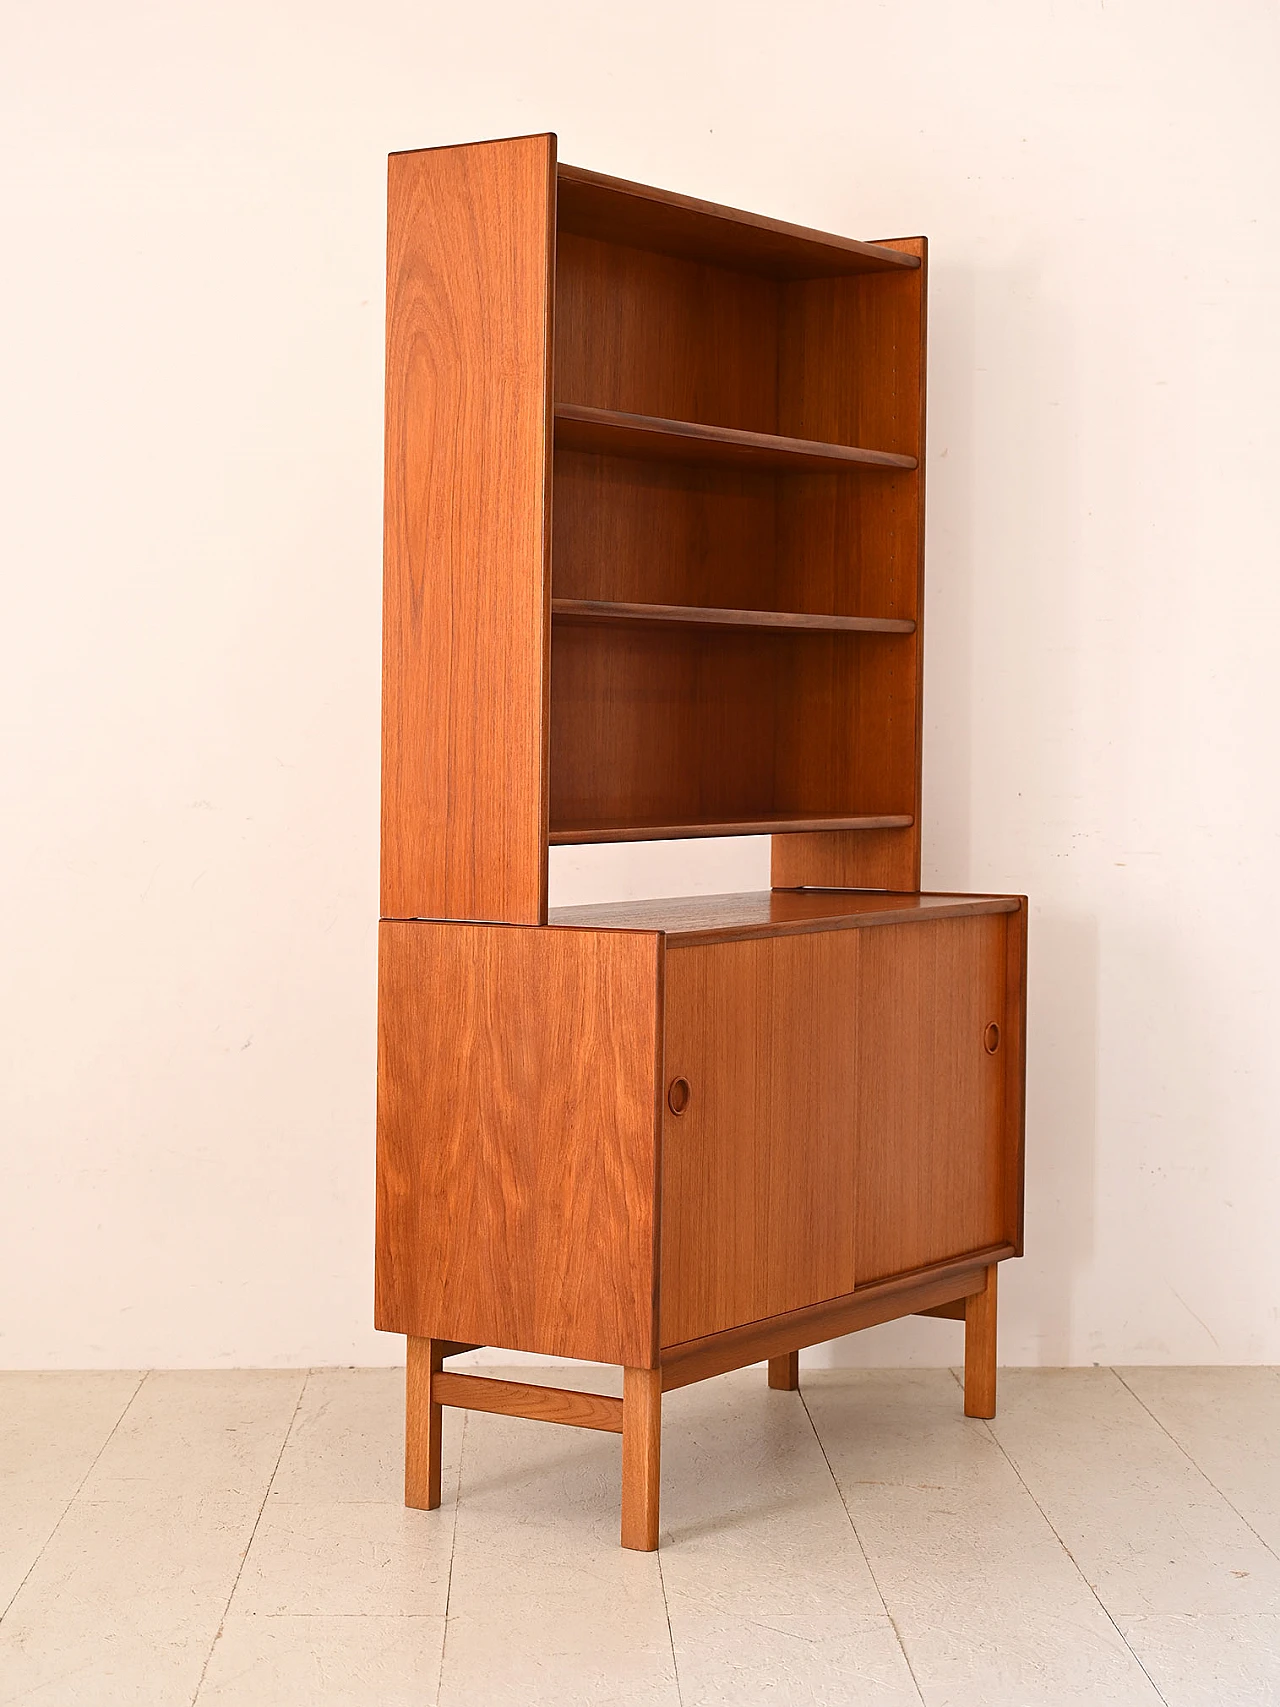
686, 1137
609, 1142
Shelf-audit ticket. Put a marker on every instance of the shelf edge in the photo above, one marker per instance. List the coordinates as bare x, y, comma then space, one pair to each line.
621, 611
737, 441
582, 835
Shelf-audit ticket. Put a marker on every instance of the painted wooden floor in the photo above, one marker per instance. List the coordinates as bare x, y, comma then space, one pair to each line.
236, 1538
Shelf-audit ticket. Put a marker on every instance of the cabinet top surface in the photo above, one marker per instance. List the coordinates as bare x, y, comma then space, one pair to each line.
692, 919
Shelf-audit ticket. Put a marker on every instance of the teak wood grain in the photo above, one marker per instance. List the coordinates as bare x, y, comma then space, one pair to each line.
699, 616
517, 1137
422, 1423
866, 1307
980, 1349
1013, 1050
953, 1312
640, 216
525, 1399
852, 362
759, 1171
470, 236
633, 828
675, 358
933, 1152
655, 726
784, 1372
641, 1457
650, 335
689, 920
673, 533
610, 432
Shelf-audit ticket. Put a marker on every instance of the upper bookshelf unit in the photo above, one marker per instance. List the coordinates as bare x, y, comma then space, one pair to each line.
654, 528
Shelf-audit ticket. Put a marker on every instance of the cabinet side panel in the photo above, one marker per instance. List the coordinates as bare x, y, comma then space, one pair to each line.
517, 1138
466, 600
852, 370
1014, 1049
932, 1181
758, 1172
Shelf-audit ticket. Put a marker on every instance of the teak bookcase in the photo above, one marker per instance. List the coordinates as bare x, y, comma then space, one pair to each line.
654, 554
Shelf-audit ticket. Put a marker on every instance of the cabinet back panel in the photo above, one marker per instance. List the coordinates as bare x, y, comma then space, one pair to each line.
851, 371
654, 335
680, 533
675, 725
663, 532
758, 1172
851, 359
933, 1159
846, 727
848, 543
668, 726
518, 1079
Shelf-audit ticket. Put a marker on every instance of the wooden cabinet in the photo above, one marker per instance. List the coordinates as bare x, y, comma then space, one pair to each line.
654, 524
607, 1141
845, 1120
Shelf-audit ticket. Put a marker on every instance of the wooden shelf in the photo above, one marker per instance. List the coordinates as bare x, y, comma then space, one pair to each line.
702, 616
769, 824
611, 432
590, 204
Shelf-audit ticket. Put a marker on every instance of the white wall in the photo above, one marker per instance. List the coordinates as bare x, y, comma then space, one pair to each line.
190, 537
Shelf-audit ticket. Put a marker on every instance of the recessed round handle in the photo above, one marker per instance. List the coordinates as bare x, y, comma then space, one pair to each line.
678, 1094
991, 1038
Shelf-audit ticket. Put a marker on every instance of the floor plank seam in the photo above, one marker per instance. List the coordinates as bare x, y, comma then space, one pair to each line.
453, 1548
62, 1516
958, 1378
666, 1607
217, 1635
1198, 1468
875, 1581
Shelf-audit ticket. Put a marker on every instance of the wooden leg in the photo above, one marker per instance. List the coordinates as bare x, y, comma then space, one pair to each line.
422, 1425
980, 1350
641, 1457
784, 1372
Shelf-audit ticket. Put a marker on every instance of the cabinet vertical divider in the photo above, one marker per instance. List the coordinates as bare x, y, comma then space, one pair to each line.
653, 569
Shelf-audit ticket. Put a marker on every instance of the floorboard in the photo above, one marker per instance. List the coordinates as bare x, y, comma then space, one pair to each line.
238, 1537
